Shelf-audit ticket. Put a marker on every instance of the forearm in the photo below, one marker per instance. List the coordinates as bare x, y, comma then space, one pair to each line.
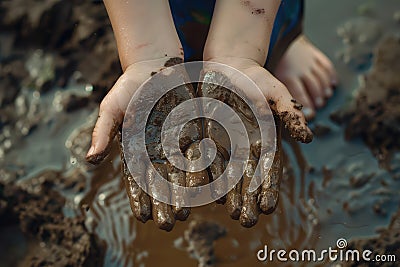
242, 29
143, 29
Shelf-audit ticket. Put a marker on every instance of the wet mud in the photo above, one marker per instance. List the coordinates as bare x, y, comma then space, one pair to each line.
61, 211
37, 207
374, 115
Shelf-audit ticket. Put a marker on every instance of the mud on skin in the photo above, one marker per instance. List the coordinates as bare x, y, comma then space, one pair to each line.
292, 122
143, 206
241, 204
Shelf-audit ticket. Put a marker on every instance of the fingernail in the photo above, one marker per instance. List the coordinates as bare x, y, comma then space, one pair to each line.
319, 102
90, 152
307, 112
328, 92
334, 82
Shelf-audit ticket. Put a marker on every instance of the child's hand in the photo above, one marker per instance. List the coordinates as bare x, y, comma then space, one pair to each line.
115, 103
111, 115
276, 94
240, 202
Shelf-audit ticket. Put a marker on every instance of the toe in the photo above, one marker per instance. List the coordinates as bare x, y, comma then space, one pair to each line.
314, 89
328, 67
298, 91
324, 80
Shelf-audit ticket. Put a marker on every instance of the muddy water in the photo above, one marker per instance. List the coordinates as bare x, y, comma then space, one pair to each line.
315, 209
343, 210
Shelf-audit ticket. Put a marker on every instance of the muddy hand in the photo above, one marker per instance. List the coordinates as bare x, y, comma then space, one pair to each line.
241, 203
115, 103
111, 115
281, 102
164, 215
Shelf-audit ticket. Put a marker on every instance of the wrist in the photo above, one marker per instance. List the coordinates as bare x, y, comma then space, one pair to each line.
149, 53
235, 61
242, 55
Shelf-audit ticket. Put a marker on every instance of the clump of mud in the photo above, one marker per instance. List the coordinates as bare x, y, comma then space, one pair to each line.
74, 39
38, 209
387, 243
375, 114
201, 236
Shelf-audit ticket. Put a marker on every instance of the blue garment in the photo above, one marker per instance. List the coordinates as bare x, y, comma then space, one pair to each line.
185, 12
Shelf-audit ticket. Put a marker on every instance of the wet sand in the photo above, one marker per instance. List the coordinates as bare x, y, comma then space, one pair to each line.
332, 188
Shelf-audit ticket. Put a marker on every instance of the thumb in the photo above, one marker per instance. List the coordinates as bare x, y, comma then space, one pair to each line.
283, 105
111, 114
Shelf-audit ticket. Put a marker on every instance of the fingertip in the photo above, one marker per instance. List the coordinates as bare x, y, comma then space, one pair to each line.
103, 134
90, 152
96, 158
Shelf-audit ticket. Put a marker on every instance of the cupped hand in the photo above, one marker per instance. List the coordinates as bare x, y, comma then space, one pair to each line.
111, 116
242, 203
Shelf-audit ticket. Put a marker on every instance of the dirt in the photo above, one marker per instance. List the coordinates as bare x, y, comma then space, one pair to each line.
293, 124
375, 115
81, 42
96, 159
387, 243
38, 210
296, 104
63, 212
200, 236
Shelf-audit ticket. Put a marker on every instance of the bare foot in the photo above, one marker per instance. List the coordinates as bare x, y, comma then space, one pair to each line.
308, 74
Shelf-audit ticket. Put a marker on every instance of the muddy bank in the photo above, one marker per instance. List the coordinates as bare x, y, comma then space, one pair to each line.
374, 114
75, 39
37, 208
387, 243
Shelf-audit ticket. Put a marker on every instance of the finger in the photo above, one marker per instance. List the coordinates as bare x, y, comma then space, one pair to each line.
177, 177
280, 102
270, 187
194, 179
234, 201
250, 210
301, 96
111, 113
162, 213
234, 196
217, 167
314, 89
138, 200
